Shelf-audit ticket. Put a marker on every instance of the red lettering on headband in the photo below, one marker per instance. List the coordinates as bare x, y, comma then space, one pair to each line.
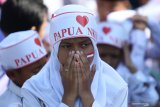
79, 32
72, 31
91, 32
57, 36
17, 62
63, 32
29, 58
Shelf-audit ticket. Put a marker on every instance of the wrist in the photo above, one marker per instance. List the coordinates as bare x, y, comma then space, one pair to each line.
87, 100
69, 101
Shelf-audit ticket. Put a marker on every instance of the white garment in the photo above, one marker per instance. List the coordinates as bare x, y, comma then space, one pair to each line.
11, 97
4, 80
154, 25
138, 92
139, 44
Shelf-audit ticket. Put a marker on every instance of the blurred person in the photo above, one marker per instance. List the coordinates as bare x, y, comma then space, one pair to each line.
19, 15
114, 51
53, 5
138, 3
22, 55
152, 60
75, 76
105, 7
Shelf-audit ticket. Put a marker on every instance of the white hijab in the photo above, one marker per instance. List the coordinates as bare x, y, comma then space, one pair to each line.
47, 85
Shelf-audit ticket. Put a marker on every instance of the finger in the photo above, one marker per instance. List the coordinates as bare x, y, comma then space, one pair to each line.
76, 73
72, 69
81, 67
79, 78
69, 60
85, 64
67, 66
93, 71
84, 60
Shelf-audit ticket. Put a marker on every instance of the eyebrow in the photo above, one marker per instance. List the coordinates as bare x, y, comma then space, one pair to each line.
86, 40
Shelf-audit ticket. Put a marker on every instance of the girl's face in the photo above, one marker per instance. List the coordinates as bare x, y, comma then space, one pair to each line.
75, 44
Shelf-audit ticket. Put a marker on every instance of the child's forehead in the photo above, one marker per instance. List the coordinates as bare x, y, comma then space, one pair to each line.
76, 40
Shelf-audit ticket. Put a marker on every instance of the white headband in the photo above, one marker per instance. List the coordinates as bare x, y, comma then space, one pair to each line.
67, 23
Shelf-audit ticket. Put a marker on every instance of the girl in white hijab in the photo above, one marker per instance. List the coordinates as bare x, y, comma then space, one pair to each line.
75, 76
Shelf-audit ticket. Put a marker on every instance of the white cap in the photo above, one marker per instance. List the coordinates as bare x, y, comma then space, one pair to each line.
111, 33
20, 49
72, 21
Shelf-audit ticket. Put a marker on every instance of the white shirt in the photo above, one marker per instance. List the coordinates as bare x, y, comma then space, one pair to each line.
11, 97
4, 80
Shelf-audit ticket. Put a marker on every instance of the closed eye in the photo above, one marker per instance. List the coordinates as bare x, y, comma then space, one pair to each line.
66, 46
84, 45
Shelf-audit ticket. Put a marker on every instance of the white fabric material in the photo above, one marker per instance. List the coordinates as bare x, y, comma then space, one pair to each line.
12, 48
139, 44
53, 5
138, 92
123, 17
3, 83
108, 88
111, 33
154, 25
150, 9
11, 97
